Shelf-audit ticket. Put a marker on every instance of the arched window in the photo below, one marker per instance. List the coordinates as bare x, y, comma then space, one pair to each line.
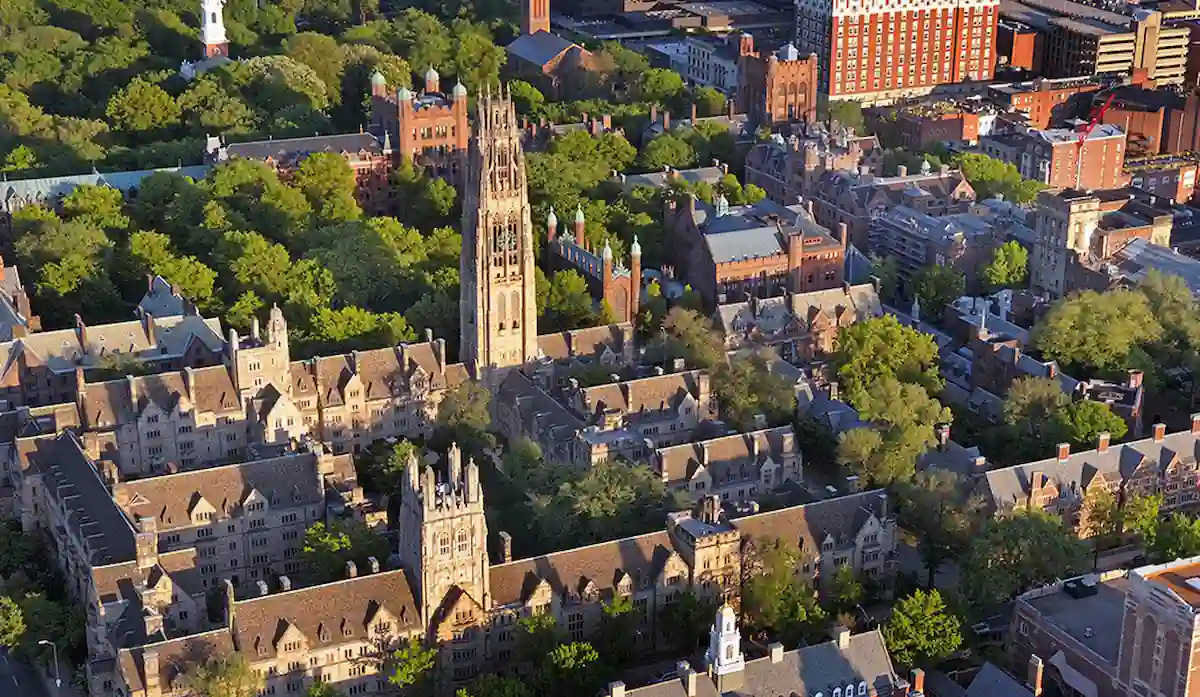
729, 652
444, 545
837, 692
516, 309
214, 18
462, 543
500, 313
862, 689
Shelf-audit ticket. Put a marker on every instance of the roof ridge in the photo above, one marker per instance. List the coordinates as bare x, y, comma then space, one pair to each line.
208, 470
390, 572
578, 549
856, 494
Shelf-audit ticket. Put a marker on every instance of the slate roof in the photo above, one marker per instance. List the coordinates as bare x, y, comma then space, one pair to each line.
1133, 262
288, 481
175, 657
738, 245
569, 572
660, 180
806, 526
15, 193
590, 342
810, 670
539, 413
1010, 485
991, 681
539, 48
326, 615
162, 300
677, 463
295, 149
113, 402
119, 581
649, 394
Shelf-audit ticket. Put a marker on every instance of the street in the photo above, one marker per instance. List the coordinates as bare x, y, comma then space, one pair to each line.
24, 680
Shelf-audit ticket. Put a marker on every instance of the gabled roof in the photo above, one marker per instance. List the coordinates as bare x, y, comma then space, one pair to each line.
296, 149
175, 658
644, 394
677, 463
807, 526
539, 48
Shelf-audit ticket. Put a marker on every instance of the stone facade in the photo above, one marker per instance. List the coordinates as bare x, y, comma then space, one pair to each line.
787, 168
736, 467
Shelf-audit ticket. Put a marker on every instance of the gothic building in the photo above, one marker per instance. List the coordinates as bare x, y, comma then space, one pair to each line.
498, 312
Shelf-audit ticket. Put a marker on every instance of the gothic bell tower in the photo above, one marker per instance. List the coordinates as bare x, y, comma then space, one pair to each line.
212, 28
498, 310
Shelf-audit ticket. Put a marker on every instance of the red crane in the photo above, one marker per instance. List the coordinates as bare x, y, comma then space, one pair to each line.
1085, 131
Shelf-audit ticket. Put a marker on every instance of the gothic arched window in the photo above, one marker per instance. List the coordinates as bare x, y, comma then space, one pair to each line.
462, 543
500, 310
516, 309
444, 545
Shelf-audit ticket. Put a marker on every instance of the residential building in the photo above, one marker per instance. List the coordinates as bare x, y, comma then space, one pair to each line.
1163, 463
369, 157
1083, 40
800, 327
1045, 101
1077, 230
1055, 157
730, 253
428, 127
1116, 634
787, 168
855, 198
705, 61
546, 60
943, 122
736, 467
612, 284
776, 86
1019, 46
879, 53
859, 662
1142, 113
1172, 177
917, 240
664, 409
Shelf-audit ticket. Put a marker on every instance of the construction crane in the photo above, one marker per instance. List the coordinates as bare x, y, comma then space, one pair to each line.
1084, 132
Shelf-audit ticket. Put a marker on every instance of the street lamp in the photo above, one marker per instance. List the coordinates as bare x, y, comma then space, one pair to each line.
53, 647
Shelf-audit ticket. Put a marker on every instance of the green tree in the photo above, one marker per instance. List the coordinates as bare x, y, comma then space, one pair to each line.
569, 305
537, 635
493, 685
902, 416
328, 182
572, 669
934, 507
1018, 552
848, 113
527, 98
1031, 404
922, 631
990, 176
323, 689
322, 54
96, 206
411, 664
1176, 537
778, 599
937, 286
667, 150
709, 102
464, 415
1008, 266
1095, 332
1140, 514
1100, 514
12, 622
208, 107
747, 388
1082, 422
685, 621
659, 85
226, 676
868, 351
150, 252
142, 106
845, 591
618, 630
328, 548
689, 335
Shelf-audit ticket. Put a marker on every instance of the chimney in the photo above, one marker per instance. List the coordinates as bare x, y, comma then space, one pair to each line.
776, 651
150, 666
1034, 674
944, 170
901, 171
1135, 379
1064, 451
285, 584
505, 547
841, 635
901, 688
439, 352
351, 569
833, 390
693, 113
1102, 441
262, 587
687, 677
1035, 479
1196, 424
1160, 432
81, 331
150, 328
373, 564
666, 118
918, 681
943, 436
653, 113
843, 235
616, 689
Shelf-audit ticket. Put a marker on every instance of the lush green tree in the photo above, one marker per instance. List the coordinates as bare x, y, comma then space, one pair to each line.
685, 621
412, 664
780, 600
323, 689
667, 150
382, 473
226, 676
464, 415
868, 351
1083, 421
569, 305
845, 591
937, 286
922, 631
848, 113
709, 102
322, 54
1008, 266
328, 548
96, 206
1100, 514
990, 176
142, 106
903, 416
528, 99
618, 630
572, 669
1176, 537
1094, 331
537, 635
1031, 403
12, 622
423, 40
689, 335
659, 85
150, 252
1018, 552
747, 388
328, 182
493, 685
935, 507
476, 60
1140, 514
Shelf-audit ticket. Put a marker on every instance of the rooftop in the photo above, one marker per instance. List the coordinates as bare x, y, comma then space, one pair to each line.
1092, 620
1182, 580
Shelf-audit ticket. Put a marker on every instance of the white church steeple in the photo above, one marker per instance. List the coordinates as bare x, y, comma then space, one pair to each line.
212, 28
724, 657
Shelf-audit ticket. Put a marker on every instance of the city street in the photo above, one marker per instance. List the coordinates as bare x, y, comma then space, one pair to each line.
19, 679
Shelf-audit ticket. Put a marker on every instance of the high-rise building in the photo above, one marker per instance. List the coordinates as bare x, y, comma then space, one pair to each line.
499, 315
878, 52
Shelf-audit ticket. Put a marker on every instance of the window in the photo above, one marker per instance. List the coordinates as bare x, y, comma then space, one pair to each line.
444, 545
461, 543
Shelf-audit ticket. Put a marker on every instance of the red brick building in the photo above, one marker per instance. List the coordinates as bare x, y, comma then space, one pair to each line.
1041, 99
1020, 46
1169, 176
430, 127
879, 51
1183, 127
776, 88
1052, 156
609, 282
918, 130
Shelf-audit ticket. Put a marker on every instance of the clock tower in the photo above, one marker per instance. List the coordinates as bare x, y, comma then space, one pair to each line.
498, 310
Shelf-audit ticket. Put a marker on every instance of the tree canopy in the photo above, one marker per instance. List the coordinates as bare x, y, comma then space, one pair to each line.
1008, 266
877, 348
1018, 552
922, 630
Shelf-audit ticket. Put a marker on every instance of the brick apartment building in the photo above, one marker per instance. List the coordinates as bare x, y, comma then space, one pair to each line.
776, 87
787, 168
879, 52
1042, 100
1118, 634
428, 127
1053, 156
1172, 177
1019, 46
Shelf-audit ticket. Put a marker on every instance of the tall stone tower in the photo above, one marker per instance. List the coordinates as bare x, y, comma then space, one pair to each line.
535, 16
499, 315
443, 533
212, 28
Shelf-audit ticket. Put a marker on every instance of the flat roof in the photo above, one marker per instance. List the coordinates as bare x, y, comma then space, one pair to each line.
1094, 621
1078, 10
1176, 579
